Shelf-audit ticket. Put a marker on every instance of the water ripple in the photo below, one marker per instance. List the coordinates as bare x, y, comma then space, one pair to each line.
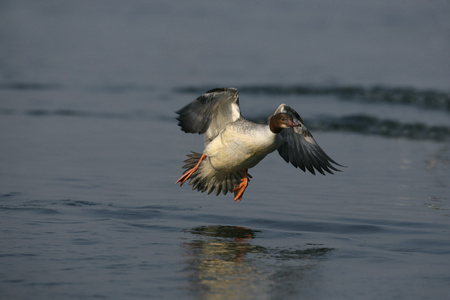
29, 86
430, 99
361, 123
367, 124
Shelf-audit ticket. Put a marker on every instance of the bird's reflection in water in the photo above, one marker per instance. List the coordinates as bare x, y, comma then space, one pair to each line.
217, 262
224, 263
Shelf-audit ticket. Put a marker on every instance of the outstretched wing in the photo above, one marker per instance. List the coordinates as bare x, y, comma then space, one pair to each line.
299, 147
210, 112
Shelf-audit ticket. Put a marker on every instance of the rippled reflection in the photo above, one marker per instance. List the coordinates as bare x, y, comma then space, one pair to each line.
224, 263
437, 166
217, 262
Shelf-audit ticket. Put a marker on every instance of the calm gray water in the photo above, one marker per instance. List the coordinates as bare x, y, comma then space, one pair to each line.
90, 150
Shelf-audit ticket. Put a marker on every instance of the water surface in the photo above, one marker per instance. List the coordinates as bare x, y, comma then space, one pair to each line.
90, 151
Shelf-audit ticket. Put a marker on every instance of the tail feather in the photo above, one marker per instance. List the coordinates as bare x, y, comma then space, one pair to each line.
206, 178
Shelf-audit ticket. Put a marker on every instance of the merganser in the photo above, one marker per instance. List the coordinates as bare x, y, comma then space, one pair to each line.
233, 144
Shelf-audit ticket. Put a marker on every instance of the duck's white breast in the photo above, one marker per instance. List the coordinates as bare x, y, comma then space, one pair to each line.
241, 145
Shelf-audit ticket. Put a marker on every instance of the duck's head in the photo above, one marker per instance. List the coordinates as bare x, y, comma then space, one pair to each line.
281, 121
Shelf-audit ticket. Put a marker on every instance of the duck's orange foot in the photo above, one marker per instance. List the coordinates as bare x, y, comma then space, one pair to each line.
240, 189
189, 173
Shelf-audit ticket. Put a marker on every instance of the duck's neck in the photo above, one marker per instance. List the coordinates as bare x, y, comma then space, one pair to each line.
273, 125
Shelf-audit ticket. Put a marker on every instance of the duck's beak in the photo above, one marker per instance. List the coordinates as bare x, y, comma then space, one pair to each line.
292, 124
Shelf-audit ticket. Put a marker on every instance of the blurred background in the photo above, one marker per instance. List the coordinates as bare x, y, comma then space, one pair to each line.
142, 44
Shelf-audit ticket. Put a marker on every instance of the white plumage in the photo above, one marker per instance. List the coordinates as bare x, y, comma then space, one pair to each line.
233, 144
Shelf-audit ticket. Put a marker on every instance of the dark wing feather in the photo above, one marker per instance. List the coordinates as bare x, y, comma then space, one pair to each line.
300, 149
210, 112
